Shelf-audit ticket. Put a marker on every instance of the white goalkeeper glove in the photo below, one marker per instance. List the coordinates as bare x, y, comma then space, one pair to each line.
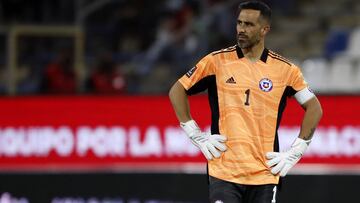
210, 145
283, 161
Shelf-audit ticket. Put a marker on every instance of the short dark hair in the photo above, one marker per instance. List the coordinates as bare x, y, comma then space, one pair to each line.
265, 10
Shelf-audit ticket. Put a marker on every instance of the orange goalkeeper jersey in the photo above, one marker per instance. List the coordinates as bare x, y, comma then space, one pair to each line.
246, 100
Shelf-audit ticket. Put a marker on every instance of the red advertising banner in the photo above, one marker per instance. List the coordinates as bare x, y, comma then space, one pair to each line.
137, 132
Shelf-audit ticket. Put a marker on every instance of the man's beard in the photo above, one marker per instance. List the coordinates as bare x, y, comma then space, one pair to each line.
247, 43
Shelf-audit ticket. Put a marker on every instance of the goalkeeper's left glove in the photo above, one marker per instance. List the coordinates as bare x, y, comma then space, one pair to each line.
283, 161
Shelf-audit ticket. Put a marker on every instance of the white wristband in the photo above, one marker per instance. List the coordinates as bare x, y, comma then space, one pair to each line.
304, 95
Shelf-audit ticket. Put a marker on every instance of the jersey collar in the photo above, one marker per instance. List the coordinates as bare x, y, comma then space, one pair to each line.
263, 57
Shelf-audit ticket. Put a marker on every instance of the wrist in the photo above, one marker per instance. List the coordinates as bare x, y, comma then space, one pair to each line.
190, 127
300, 145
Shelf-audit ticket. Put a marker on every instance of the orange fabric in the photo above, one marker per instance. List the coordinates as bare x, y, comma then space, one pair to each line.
249, 123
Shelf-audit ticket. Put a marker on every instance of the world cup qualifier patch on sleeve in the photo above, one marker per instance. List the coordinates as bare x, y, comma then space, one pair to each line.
191, 71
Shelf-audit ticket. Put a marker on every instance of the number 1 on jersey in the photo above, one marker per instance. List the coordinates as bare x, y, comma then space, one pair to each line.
247, 92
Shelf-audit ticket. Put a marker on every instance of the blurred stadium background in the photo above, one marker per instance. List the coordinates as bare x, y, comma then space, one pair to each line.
84, 111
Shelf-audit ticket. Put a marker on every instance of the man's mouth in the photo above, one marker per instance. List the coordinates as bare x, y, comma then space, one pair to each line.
242, 37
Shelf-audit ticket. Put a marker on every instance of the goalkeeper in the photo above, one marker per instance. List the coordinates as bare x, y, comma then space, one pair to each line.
247, 86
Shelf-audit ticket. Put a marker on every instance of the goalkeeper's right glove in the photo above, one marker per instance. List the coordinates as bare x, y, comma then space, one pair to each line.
210, 145
282, 162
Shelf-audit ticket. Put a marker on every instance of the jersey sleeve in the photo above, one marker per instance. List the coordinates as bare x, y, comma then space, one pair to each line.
296, 79
301, 91
196, 79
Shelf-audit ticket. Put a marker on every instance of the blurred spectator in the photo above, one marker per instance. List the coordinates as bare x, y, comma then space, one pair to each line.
28, 79
107, 77
175, 40
60, 75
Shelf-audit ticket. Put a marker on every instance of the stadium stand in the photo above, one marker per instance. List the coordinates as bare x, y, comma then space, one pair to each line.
145, 47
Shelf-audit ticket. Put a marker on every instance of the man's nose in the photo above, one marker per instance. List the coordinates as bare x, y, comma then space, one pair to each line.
241, 29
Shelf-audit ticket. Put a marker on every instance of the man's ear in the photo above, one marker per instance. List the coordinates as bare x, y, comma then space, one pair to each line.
265, 30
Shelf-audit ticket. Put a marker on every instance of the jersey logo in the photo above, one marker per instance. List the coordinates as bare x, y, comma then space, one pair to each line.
231, 81
191, 71
265, 85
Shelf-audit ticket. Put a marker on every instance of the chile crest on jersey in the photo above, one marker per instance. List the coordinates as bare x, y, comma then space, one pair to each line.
265, 85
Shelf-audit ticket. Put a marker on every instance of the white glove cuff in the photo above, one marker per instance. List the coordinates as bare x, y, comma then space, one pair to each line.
300, 145
190, 127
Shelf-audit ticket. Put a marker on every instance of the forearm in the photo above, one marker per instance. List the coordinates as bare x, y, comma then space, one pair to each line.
210, 145
180, 102
313, 114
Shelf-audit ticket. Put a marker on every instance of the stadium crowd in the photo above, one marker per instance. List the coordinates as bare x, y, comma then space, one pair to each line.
141, 47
